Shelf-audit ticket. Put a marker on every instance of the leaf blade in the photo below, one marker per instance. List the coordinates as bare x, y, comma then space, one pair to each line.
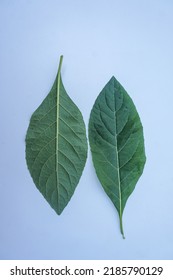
56, 146
116, 141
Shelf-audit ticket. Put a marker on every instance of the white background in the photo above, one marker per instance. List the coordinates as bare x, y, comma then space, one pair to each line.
131, 40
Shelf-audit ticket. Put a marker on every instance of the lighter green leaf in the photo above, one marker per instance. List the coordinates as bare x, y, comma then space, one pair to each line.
117, 143
56, 146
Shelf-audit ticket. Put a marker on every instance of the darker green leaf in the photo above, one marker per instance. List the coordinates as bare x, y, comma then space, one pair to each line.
117, 143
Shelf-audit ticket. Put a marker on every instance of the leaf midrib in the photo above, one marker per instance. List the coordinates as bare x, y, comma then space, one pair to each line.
118, 166
118, 169
57, 127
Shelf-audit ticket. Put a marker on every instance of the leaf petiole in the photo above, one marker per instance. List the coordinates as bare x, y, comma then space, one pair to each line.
121, 226
60, 64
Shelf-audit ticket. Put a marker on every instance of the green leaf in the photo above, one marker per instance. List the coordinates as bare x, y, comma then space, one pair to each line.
117, 143
56, 146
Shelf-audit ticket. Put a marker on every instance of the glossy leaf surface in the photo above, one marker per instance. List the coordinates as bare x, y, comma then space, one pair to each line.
117, 143
56, 146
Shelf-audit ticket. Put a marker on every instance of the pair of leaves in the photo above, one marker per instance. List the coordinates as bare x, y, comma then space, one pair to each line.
56, 145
